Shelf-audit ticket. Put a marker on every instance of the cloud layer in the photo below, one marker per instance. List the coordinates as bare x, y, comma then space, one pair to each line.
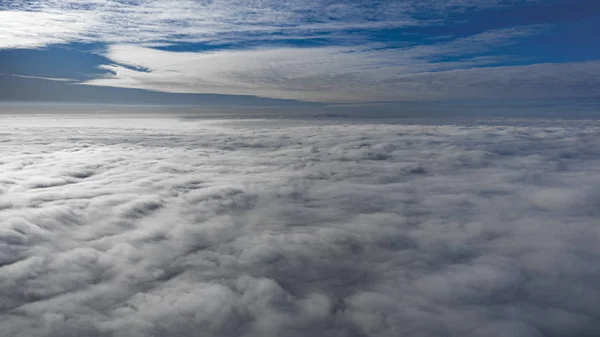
156, 227
353, 75
352, 51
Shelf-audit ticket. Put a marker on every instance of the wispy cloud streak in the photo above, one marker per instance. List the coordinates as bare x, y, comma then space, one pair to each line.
56, 79
245, 60
38, 23
357, 74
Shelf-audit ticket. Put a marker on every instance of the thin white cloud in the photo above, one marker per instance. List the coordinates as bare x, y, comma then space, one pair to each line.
352, 74
355, 72
21, 29
158, 227
30, 24
56, 79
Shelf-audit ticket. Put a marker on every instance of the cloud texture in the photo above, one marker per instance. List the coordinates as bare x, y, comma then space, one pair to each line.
160, 227
31, 24
323, 51
353, 75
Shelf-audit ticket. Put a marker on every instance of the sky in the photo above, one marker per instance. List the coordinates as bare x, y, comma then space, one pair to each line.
343, 53
122, 217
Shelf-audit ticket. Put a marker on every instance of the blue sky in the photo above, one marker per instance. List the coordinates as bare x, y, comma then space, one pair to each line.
300, 52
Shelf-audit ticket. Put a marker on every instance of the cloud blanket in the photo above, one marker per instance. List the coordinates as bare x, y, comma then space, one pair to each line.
165, 227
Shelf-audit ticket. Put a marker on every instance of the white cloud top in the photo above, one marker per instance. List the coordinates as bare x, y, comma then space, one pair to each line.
157, 227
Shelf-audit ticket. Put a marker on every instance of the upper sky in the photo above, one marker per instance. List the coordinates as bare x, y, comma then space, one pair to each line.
265, 52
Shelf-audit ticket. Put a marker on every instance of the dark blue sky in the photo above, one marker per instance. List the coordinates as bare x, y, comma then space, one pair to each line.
296, 53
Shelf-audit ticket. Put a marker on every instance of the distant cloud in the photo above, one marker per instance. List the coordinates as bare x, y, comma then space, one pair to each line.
37, 23
31, 24
158, 227
57, 79
25, 29
350, 69
352, 75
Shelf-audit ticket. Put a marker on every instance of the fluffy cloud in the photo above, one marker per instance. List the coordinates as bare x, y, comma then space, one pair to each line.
156, 226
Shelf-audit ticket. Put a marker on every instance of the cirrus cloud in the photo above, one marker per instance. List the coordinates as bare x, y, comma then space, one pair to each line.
31, 24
